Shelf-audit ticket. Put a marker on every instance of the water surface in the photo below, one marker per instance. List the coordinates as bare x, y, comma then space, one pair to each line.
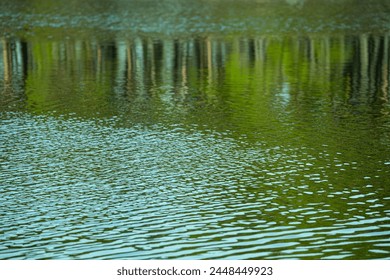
194, 130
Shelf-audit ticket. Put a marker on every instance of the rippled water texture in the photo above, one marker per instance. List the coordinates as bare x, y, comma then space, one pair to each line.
194, 130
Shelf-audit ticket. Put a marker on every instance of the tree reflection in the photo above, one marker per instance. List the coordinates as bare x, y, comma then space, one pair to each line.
13, 67
209, 69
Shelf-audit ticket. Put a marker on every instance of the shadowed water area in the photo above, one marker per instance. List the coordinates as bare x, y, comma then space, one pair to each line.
194, 129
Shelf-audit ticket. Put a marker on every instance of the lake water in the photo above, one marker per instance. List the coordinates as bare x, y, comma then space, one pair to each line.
195, 129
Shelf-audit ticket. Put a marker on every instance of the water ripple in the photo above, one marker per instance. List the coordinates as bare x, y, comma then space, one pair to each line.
77, 189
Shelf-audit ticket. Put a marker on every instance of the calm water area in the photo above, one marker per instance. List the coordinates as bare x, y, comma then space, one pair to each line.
182, 129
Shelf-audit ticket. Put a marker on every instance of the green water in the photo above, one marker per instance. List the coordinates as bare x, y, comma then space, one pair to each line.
194, 129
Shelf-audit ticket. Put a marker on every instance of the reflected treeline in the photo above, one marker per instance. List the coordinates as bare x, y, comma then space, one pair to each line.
354, 69
13, 66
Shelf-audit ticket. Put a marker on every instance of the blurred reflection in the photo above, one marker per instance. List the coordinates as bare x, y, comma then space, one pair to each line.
171, 71
7, 62
12, 69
